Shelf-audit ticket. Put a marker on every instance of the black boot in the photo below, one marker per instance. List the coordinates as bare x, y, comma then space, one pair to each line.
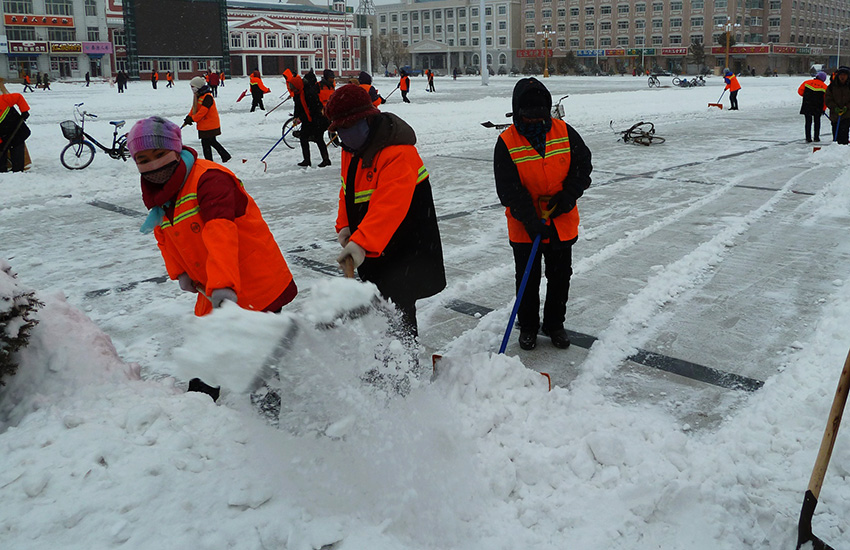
195, 384
528, 339
325, 162
559, 337
304, 163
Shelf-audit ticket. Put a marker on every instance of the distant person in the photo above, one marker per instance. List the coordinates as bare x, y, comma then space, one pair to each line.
454, 73
733, 86
365, 81
327, 85
205, 114
121, 79
837, 98
814, 103
221, 78
404, 86
386, 221
45, 82
154, 79
258, 89
431, 81
753, 71
169, 78
541, 163
88, 79
28, 83
214, 81
308, 110
13, 131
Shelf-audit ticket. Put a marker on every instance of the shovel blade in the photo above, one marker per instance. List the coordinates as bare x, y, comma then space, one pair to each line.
718, 105
804, 527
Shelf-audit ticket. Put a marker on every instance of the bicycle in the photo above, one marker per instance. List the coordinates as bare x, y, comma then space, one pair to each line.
294, 136
654, 82
80, 151
558, 109
642, 133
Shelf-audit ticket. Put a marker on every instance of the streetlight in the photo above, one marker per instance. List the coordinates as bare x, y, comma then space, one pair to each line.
838, 57
547, 29
728, 28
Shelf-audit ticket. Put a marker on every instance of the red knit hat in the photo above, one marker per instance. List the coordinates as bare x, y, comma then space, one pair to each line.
347, 105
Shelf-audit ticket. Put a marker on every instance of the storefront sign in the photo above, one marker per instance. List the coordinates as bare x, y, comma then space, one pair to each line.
4, 44
615, 53
784, 49
719, 50
97, 48
66, 47
28, 47
674, 51
590, 53
38, 20
538, 52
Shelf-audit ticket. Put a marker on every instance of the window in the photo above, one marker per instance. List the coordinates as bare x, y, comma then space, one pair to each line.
503, 41
17, 6
253, 40
573, 12
605, 25
623, 25
319, 64
605, 41
145, 65
503, 59
697, 21
474, 27
623, 41
414, 16
61, 35
605, 10
775, 4
20, 33
562, 28
562, 43
588, 42
404, 30
639, 41
719, 20
450, 13
657, 40
503, 10
462, 42
58, 7
720, 4
427, 29
503, 25
657, 6
488, 11
529, 15
305, 64
184, 65
288, 41
451, 41
640, 8
438, 28
383, 18
119, 38
235, 40
697, 4
773, 21
573, 27
163, 64
473, 12
461, 12
303, 42
271, 41
775, 38
426, 16
640, 24
394, 18
415, 30
332, 42
588, 26
589, 11
529, 29
404, 16
438, 15
676, 22
675, 39
657, 23
562, 12
93, 34
547, 14
676, 5
489, 41
91, 7
461, 27
623, 9
573, 42
696, 39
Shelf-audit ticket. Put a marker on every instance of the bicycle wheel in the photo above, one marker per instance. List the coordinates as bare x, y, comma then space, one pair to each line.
287, 130
652, 81
677, 81
76, 156
334, 138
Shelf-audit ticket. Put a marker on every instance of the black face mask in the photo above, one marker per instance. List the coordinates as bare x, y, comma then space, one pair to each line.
161, 175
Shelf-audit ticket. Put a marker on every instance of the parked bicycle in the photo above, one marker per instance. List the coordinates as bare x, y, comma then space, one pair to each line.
558, 109
642, 133
291, 136
654, 82
80, 150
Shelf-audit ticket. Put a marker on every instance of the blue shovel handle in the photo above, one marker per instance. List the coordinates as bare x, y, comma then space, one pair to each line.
520, 292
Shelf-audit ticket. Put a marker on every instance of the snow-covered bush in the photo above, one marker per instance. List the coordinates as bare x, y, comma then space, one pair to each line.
16, 306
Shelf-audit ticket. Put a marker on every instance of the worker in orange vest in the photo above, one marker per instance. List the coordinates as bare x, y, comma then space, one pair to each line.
205, 114
154, 79
541, 165
733, 86
28, 83
327, 85
813, 93
258, 89
404, 86
386, 220
14, 111
169, 78
364, 79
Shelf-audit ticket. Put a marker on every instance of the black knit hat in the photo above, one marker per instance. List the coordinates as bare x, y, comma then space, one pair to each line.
347, 105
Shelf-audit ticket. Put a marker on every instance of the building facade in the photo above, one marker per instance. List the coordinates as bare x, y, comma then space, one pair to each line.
63, 38
625, 35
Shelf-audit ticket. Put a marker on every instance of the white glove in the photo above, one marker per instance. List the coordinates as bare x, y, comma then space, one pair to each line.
354, 251
219, 295
343, 236
186, 283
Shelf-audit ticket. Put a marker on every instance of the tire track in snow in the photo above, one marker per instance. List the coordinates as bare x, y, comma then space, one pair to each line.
639, 317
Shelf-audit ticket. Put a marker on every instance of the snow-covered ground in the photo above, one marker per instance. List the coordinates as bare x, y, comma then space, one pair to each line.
724, 248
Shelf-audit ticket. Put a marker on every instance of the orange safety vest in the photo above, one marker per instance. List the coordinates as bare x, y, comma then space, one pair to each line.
325, 92
244, 256
206, 118
168, 77
155, 76
541, 177
815, 85
368, 87
7, 101
404, 83
733, 85
257, 81
386, 189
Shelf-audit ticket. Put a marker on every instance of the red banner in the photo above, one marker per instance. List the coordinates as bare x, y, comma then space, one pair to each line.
539, 52
39, 20
717, 50
674, 51
615, 53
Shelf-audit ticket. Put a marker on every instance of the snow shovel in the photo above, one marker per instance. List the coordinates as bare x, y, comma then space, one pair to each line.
837, 126
276, 106
810, 501
534, 246
718, 104
241, 96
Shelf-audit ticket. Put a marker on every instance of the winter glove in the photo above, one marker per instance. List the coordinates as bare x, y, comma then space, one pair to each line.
188, 120
354, 251
343, 236
186, 283
560, 203
219, 295
841, 111
539, 227
25, 115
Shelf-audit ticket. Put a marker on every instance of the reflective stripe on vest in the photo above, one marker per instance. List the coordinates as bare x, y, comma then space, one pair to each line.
364, 196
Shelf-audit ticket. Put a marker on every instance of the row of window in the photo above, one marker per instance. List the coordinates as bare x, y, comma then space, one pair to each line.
426, 29
54, 34
438, 14
674, 23
51, 7
288, 41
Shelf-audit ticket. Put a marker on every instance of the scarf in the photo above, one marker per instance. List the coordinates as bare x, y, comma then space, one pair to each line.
535, 133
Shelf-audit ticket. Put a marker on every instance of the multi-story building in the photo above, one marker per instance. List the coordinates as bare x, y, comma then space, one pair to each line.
781, 35
64, 38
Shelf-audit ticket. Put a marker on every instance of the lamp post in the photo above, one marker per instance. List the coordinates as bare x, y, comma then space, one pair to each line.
838, 57
728, 29
547, 29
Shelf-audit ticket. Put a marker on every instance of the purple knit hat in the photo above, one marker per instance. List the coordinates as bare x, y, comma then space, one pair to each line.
154, 133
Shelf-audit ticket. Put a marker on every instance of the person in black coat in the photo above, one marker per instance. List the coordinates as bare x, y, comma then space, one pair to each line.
813, 92
13, 131
308, 109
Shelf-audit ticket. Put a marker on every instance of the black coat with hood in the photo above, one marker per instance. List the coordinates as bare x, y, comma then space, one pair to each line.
411, 266
512, 193
316, 124
838, 96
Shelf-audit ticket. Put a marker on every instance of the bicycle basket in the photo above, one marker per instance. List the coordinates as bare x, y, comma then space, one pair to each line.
71, 130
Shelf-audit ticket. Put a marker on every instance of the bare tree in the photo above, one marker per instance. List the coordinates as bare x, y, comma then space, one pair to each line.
398, 51
381, 51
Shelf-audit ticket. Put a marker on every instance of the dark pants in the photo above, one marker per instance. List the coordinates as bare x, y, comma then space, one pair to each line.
121, 87
733, 100
153, 83
208, 144
841, 130
404, 96
810, 120
214, 90
310, 134
257, 102
559, 269
16, 154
